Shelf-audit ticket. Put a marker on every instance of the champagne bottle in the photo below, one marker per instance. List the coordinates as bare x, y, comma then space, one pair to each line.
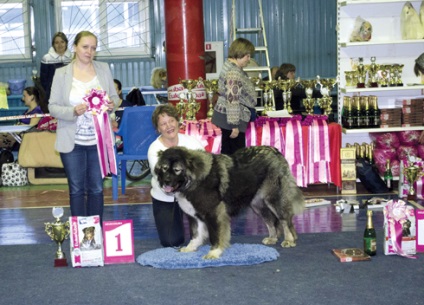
370, 237
388, 176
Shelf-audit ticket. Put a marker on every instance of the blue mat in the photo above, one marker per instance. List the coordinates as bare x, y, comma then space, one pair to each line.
235, 255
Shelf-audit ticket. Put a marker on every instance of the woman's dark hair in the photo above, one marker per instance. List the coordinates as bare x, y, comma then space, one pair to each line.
284, 69
61, 35
40, 96
119, 85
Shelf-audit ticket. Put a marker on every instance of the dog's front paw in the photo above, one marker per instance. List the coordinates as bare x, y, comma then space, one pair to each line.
269, 241
288, 244
213, 254
187, 249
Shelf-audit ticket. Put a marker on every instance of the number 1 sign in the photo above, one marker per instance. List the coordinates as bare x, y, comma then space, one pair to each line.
118, 241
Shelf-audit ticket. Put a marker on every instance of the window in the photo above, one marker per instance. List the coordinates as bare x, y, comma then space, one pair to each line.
121, 26
15, 40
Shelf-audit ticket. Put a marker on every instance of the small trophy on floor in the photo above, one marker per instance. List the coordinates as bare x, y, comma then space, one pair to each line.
58, 231
412, 173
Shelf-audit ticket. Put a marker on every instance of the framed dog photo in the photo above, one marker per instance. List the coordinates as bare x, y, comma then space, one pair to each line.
118, 241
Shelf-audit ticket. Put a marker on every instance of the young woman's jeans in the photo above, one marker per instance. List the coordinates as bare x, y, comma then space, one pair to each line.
85, 180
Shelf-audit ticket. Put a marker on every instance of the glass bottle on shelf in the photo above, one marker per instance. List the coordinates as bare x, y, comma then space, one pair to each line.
357, 118
388, 176
370, 237
365, 113
374, 111
347, 117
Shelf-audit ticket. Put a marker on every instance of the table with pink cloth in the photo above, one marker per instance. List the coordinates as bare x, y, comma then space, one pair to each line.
311, 146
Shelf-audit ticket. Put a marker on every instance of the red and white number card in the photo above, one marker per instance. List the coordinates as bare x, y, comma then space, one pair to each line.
118, 241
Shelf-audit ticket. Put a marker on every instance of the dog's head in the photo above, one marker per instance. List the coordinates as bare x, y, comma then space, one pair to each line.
88, 233
172, 169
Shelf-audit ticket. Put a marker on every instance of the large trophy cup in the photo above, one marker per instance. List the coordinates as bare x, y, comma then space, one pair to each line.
58, 231
192, 105
412, 173
309, 101
211, 87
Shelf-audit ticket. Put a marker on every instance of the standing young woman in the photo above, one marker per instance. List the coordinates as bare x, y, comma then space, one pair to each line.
58, 56
236, 96
76, 132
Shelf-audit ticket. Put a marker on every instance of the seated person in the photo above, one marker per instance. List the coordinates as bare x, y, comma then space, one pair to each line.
34, 99
288, 71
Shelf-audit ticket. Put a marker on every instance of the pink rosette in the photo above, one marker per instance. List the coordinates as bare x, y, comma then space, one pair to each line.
396, 214
97, 101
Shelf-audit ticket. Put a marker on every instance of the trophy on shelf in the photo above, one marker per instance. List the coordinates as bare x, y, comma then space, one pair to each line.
362, 73
393, 75
385, 74
372, 73
308, 102
412, 173
58, 231
327, 84
192, 106
211, 87
181, 106
398, 74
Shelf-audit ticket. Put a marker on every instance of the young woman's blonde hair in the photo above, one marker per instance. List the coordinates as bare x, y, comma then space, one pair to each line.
158, 78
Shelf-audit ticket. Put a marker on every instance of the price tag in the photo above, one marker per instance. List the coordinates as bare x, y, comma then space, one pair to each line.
118, 241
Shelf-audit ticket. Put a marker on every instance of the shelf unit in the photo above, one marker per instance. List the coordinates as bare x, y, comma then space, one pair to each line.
388, 48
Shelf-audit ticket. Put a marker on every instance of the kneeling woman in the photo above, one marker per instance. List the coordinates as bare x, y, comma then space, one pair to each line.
168, 215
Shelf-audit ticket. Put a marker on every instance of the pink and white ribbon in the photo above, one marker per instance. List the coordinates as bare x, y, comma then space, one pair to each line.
250, 134
294, 152
319, 152
212, 134
395, 213
97, 104
271, 136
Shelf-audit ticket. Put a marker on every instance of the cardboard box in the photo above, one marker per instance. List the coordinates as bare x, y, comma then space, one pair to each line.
86, 241
406, 227
348, 170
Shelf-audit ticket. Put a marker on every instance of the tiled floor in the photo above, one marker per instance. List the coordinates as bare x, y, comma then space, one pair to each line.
24, 210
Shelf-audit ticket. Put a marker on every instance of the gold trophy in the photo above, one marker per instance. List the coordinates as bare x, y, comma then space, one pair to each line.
211, 87
372, 73
362, 73
192, 105
58, 231
308, 102
412, 173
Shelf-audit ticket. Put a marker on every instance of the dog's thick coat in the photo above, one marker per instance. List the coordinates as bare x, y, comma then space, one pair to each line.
212, 188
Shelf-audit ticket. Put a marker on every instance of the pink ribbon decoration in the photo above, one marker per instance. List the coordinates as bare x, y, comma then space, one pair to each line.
294, 152
96, 101
251, 134
319, 152
212, 134
271, 136
396, 214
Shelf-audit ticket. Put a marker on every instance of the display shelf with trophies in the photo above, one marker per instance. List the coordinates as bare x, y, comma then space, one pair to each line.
376, 58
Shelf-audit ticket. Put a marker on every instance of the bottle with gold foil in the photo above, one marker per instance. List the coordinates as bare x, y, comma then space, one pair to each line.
374, 111
357, 115
370, 237
347, 117
365, 113
388, 176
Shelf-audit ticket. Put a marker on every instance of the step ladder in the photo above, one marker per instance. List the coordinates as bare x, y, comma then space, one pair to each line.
262, 50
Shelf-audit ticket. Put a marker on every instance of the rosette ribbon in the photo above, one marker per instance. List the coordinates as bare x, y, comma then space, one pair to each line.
97, 104
396, 214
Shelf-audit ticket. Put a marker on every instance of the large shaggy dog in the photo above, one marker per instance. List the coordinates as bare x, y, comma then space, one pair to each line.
212, 188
